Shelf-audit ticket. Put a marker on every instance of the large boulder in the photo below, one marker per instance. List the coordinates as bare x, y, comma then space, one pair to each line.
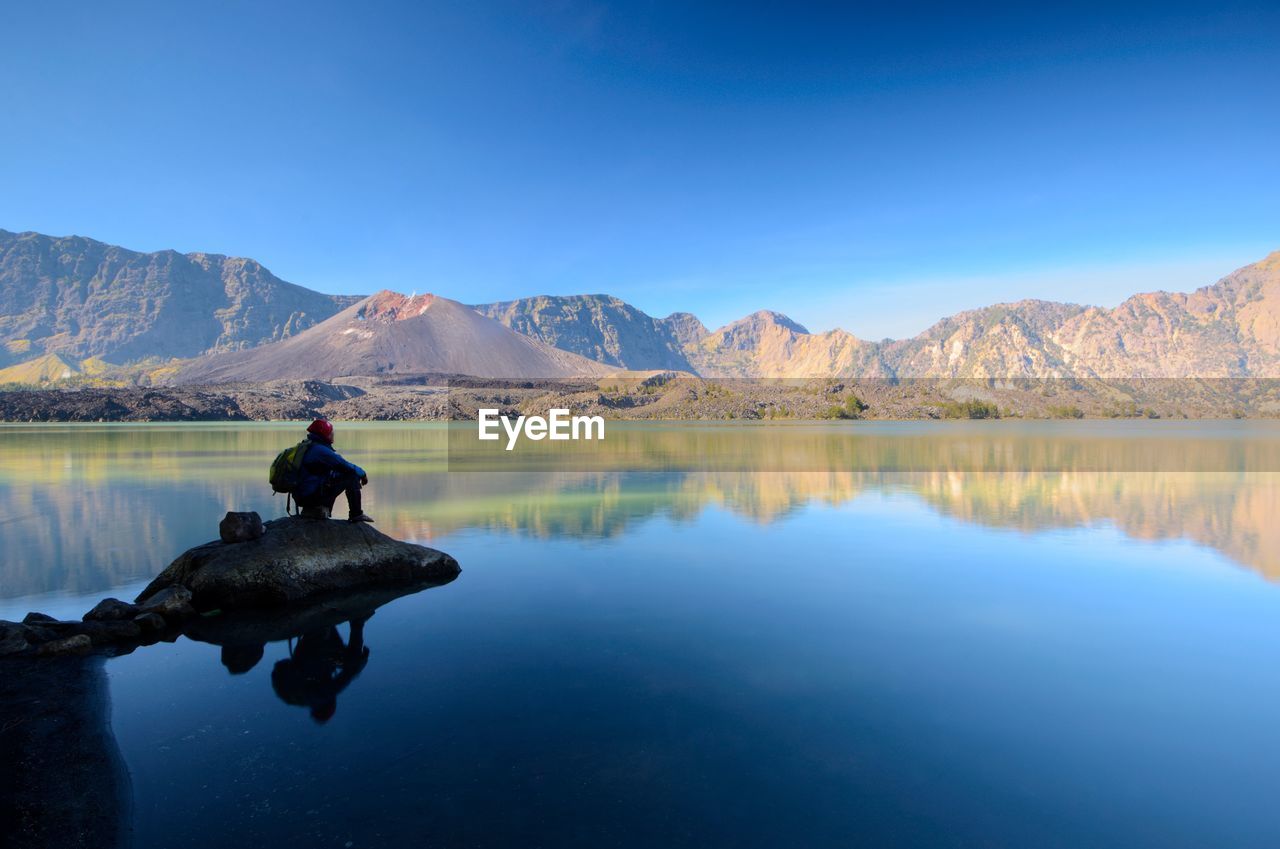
297, 560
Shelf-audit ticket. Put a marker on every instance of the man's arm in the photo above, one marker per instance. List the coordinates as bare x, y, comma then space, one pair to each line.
333, 460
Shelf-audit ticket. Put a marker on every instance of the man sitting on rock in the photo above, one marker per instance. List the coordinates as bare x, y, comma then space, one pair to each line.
325, 474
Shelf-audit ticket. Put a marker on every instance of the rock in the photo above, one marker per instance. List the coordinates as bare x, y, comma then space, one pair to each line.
296, 560
77, 644
109, 633
256, 627
150, 623
13, 638
172, 603
240, 527
111, 610
38, 633
100, 633
34, 618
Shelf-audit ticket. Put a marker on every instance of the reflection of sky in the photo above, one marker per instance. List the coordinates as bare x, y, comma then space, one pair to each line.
878, 672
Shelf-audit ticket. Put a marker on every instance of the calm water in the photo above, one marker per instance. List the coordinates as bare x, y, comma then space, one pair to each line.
933, 635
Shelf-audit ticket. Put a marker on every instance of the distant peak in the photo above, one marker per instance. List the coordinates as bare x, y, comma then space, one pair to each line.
393, 306
771, 317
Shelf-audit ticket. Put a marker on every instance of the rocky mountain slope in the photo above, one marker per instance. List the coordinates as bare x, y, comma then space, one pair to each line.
768, 344
81, 298
1228, 329
70, 303
389, 333
46, 368
602, 328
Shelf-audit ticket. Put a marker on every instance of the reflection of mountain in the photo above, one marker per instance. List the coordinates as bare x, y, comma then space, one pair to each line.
87, 508
1231, 513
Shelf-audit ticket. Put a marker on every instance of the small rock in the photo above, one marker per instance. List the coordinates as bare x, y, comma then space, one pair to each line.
34, 618
111, 610
173, 603
39, 633
79, 644
106, 633
99, 632
13, 638
240, 527
150, 622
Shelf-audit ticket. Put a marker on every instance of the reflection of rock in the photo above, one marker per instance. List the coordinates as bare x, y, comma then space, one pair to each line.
64, 783
319, 667
297, 559
258, 627
320, 664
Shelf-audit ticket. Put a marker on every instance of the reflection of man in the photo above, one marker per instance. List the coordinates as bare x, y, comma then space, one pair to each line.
320, 667
240, 659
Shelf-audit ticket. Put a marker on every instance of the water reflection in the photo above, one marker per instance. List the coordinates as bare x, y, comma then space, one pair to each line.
85, 508
320, 663
319, 667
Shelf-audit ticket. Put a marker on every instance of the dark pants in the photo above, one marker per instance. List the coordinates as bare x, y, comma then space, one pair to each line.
329, 491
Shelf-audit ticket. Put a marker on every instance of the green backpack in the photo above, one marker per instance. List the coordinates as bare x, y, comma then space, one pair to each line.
286, 469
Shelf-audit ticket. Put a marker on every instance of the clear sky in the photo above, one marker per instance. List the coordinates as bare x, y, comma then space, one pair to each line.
872, 168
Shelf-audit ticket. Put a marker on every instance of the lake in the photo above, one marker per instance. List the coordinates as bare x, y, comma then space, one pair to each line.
1021, 634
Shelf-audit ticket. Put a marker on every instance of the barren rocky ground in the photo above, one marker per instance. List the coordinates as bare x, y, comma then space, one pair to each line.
663, 396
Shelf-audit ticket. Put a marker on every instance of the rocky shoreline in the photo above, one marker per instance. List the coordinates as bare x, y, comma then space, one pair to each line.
282, 563
65, 782
660, 396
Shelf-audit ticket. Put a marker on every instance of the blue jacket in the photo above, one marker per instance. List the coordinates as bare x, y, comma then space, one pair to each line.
320, 464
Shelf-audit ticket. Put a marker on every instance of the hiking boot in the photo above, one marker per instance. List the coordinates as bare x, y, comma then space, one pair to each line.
360, 517
313, 513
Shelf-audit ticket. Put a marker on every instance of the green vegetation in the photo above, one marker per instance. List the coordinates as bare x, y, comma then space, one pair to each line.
1127, 410
1066, 412
972, 409
852, 408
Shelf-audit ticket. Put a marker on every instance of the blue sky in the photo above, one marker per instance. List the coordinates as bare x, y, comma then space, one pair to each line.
867, 168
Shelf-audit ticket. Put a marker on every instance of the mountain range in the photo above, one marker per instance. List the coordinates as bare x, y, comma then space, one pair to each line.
72, 304
1228, 329
79, 298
